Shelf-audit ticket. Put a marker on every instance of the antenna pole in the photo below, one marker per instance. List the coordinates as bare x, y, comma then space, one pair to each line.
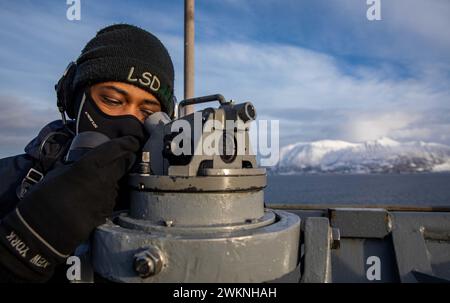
189, 32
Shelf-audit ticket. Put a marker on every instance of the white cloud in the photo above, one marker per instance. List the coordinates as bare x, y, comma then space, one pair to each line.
371, 101
276, 77
372, 126
20, 121
282, 76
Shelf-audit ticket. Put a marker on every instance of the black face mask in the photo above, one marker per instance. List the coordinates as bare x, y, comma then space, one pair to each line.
91, 118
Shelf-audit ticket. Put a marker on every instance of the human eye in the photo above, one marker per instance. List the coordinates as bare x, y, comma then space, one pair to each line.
111, 101
146, 112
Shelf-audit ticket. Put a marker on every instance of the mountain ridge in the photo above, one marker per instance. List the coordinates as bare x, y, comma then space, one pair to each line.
383, 155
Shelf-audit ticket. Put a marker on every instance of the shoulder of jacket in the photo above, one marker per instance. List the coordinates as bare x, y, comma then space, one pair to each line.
34, 147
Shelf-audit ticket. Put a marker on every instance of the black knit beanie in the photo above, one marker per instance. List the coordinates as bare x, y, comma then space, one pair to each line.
126, 53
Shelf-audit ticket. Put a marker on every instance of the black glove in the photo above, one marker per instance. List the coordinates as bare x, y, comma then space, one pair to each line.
59, 213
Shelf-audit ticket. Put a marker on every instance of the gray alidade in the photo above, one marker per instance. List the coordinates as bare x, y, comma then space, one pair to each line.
197, 207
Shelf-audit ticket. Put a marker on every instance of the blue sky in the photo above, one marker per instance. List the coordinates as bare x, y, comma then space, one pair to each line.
318, 66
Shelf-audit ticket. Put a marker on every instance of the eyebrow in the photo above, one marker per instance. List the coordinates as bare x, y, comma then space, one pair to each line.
126, 94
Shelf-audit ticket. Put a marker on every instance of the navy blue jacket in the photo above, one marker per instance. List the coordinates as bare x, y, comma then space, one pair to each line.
44, 153
41, 149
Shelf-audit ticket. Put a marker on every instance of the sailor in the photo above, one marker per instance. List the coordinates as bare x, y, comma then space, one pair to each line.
48, 205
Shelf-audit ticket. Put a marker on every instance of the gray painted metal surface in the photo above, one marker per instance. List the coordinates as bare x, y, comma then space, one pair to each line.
193, 209
317, 250
360, 222
154, 125
197, 183
410, 235
228, 257
354, 259
416, 249
125, 221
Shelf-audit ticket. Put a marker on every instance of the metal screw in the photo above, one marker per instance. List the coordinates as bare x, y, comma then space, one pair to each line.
144, 166
148, 263
146, 157
335, 238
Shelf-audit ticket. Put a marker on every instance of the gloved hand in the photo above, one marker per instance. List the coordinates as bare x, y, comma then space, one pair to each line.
59, 213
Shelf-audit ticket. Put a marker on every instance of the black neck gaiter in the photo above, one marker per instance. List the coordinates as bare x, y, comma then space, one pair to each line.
91, 118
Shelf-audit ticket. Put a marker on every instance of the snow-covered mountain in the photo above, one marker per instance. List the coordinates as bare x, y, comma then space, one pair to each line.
380, 156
